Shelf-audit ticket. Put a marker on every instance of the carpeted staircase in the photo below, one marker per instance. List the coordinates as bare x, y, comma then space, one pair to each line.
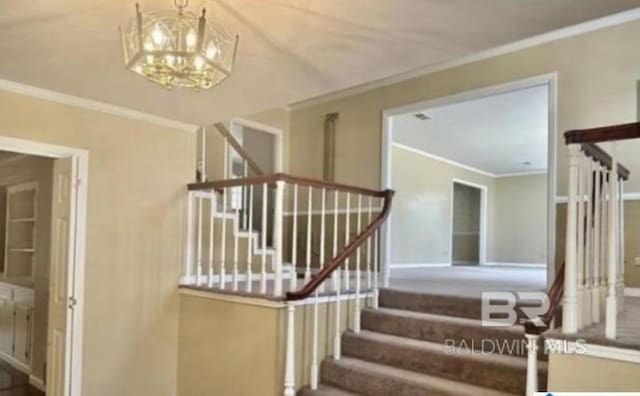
420, 344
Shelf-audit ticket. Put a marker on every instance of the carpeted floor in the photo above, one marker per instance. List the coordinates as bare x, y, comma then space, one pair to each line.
469, 281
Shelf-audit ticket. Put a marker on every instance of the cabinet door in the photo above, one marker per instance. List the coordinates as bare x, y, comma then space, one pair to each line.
22, 334
6, 326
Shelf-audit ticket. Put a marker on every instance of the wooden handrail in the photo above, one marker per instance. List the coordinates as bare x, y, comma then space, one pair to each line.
337, 261
239, 149
598, 154
603, 134
272, 178
556, 292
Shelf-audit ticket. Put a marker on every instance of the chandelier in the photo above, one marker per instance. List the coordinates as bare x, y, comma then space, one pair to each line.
178, 48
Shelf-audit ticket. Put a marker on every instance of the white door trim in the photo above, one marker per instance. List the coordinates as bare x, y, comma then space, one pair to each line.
78, 233
237, 124
549, 79
482, 253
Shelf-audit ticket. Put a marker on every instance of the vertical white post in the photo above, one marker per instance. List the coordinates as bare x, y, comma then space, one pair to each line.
203, 154
356, 314
236, 230
290, 359
307, 273
621, 255
313, 382
581, 237
188, 246
245, 191
604, 240
612, 307
588, 256
376, 269
570, 301
249, 285
223, 245
212, 222
346, 240
595, 284
277, 237
532, 363
294, 241
370, 216
322, 232
199, 243
336, 273
263, 234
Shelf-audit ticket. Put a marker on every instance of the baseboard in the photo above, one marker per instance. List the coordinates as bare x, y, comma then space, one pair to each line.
37, 383
515, 265
632, 291
15, 363
418, 265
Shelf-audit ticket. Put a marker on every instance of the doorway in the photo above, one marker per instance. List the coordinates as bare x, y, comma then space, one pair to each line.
468, 223
58, 368
263, 143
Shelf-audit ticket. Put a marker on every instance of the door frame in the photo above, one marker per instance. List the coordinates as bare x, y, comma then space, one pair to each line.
548, 79
482, 243
237, 124
75, 280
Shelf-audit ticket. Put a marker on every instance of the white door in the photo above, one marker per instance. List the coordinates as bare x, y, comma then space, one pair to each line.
60, 303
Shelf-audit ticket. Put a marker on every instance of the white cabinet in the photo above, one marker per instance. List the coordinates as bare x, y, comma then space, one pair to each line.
16, 325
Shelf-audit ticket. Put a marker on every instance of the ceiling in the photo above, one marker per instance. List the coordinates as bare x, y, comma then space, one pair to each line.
290, 50
501, 134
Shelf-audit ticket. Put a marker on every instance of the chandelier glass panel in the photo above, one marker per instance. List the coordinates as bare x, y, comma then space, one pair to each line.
177, 48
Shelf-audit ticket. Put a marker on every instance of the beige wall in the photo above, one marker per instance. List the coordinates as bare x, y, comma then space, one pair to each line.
631, 245
24, 169
136, 194
421, 224
520, 230
578, 373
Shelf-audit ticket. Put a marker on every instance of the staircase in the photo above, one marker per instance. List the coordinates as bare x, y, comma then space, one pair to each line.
421, 344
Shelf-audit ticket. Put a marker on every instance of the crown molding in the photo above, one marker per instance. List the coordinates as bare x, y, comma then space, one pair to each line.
89, 104
554, 35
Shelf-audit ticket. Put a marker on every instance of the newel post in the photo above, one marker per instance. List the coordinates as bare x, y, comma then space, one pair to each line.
290, 358
570, 301
532, 363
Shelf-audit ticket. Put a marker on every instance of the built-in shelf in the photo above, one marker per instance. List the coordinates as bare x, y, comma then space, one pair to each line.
17, 250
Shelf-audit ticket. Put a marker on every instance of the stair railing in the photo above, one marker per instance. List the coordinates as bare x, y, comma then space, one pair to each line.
590, 285
250, 167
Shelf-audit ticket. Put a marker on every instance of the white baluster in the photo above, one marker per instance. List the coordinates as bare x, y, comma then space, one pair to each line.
336, 273
290, 359
263, 234
249, 285
346, 241
532, 363
621, 256
604, 254
581, 252
376, 269
588, 257
370, 216
212, 223
356, 314
322, 233
245, 189
223, 246
188, 246
236, 222
277, 238
199, 243
294, 241
570, 301
612, 307
597, 234
314, 345
307, 273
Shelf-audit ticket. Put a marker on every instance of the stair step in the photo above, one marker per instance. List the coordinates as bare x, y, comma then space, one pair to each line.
325, 390
373, 379
501, 372
440, 328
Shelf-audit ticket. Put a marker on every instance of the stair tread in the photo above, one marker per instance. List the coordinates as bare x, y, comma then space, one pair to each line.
425, 381
432, 317
325, 390
438, 348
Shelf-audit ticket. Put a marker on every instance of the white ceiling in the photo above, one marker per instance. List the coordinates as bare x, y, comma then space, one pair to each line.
290, 50
496, 134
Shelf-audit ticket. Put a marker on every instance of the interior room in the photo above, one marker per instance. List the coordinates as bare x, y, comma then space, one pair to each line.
471, 183
26, 184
